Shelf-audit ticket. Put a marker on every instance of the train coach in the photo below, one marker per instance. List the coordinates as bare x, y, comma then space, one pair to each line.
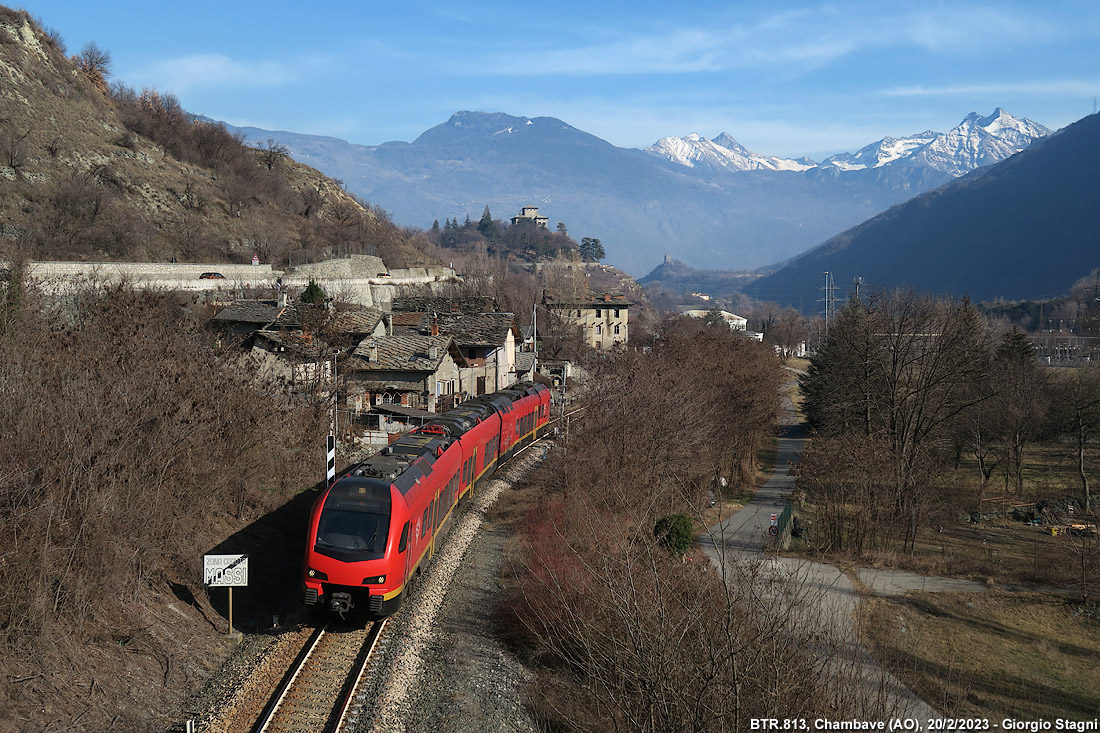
374, 530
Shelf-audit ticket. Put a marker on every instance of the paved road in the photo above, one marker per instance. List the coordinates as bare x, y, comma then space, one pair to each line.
742, 540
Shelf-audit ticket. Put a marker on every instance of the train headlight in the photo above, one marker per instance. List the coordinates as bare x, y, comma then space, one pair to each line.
317, 574
378, 580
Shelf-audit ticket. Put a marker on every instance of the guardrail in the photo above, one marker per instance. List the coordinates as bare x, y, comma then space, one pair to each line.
783, 526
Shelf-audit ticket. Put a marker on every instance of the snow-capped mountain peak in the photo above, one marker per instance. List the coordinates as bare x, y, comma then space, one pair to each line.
974, 142
723, 152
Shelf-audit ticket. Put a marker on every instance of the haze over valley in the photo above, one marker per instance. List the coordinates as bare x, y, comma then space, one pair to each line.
709, 203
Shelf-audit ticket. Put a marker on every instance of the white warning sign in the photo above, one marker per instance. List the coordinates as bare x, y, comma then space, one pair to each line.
225, 570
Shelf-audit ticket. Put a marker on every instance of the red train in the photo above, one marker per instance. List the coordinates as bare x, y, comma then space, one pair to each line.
374, 529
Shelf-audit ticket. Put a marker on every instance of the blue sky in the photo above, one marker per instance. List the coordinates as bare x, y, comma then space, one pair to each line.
785, 79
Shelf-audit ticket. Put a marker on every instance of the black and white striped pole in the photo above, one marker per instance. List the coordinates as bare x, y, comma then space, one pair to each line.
331, 446
330, 443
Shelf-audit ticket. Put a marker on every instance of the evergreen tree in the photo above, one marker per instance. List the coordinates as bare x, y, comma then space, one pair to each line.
597, 250
714, 317
586, 248
314, 294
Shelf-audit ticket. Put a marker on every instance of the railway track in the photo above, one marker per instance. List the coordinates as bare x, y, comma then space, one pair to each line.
320, 690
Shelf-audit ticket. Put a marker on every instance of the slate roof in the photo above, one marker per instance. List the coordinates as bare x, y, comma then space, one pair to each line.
291, 317
478, 329
441, 304
404, 411
524, 361
249, 311
406, 320
591, 300
401, 353
292, 341
468, 329
362, 321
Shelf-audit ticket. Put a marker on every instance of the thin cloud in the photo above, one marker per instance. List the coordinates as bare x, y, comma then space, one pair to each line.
218, 71
799, 40
1080, 87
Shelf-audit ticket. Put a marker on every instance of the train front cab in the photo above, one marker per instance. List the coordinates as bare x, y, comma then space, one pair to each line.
357, 528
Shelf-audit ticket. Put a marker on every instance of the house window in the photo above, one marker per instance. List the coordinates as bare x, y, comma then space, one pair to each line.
597, 313
481, 385
391, 398
616, 312
599, 344
616, 330
599, 328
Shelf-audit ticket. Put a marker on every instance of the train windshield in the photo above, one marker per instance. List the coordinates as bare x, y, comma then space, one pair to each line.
355, 520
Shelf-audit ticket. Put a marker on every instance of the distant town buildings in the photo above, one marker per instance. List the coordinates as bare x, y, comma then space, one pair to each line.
734, 321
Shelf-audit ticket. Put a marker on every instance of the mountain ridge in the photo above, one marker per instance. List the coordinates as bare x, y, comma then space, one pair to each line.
1023, 228
640, 205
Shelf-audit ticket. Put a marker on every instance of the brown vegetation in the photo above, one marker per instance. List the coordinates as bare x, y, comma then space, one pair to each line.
992, 655
916, 407
122, 174
626, 633
127, 440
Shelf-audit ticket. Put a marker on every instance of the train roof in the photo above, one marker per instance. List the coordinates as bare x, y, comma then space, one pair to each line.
412, 456
405, 461
360, 493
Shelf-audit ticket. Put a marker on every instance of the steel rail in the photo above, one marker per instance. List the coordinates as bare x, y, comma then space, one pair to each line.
349, 699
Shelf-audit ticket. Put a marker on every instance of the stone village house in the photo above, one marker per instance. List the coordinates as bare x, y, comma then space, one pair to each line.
409, 370
604, 319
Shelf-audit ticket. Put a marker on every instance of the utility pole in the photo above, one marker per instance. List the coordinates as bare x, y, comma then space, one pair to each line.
829, 299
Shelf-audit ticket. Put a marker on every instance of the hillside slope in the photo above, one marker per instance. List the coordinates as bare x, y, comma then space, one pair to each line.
1024, 228
94, 174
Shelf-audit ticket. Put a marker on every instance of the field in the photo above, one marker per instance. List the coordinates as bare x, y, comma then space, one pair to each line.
1024, 655
998, 549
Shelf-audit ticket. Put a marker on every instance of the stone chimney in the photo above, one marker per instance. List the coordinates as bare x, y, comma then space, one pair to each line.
433, 352
282, 299
372, 353
607, 297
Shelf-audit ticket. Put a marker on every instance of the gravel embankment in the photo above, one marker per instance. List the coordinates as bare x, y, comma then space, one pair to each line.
440, 667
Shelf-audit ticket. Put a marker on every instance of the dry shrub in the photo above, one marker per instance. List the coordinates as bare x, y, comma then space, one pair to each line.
125, 433
627, 635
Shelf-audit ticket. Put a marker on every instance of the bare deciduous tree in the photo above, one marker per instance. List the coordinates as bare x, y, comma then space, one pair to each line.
903, 367
94, 63
272, 153
1075, 403
13, 145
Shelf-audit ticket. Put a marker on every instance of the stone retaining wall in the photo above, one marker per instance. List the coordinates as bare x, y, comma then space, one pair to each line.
363, 278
